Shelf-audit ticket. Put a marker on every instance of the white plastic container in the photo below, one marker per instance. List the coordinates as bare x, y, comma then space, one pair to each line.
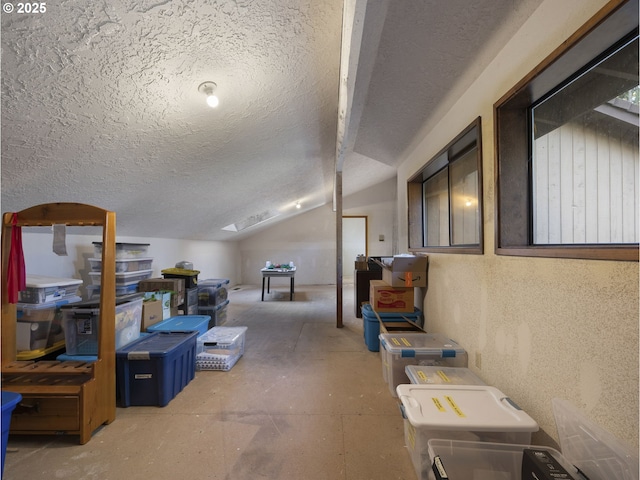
397, 350
123, 265
585, 445
44, 289
459, 412
428, 375
122, 279
123, 250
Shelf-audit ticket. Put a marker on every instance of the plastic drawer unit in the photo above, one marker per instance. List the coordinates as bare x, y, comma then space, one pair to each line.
401, 349
183, 323
371, 323
152, 370
459, 412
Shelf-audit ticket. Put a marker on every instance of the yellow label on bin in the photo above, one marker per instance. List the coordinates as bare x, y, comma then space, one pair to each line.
406, 342
438, 404
443, 376
395, 342
422, 376
454, 406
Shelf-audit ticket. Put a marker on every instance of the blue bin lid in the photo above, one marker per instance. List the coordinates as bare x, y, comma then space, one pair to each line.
182, 323
367, 311
213, 282
156, 344
10, 400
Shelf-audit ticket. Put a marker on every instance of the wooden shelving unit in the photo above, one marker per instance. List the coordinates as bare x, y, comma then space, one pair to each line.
62, 397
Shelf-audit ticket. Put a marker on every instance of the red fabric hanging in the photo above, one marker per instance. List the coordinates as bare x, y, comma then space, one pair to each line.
16, 274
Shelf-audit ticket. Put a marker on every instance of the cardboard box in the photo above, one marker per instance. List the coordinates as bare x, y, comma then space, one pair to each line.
175, 285
406, 271
164, 297
385, 298
361, 265
151, 314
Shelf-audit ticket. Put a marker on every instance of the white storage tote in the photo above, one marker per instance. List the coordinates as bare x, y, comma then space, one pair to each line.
459, 412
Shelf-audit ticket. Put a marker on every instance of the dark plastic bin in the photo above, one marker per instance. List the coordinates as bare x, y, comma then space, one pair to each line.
372, 324
183, 323
9, 402
154, 369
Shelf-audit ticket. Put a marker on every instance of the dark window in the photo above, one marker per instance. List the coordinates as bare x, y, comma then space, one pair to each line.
445, 198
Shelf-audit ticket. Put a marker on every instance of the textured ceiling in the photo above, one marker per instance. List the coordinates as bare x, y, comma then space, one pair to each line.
100, 102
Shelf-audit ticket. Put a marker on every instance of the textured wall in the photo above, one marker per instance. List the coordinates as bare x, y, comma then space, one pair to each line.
536, 328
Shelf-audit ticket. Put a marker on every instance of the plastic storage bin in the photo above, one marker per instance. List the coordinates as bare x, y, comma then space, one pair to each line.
155, 368
183, 323
459, 412
372, 324
123, 279
39, 326
218, 313
212, 292
124, 250
585, 445
9, 402
220, 348
93, 291
123, 265
426, 375
81, 321
43, 289
401, 349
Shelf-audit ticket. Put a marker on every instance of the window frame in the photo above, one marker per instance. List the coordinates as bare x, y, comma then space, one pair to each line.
415, 196
513, 212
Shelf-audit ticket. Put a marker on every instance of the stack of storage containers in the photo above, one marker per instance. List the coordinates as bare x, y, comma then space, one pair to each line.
190, 277
39, 326
132, 266
213, 300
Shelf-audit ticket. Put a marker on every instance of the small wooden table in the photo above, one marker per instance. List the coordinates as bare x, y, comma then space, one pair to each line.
267, 273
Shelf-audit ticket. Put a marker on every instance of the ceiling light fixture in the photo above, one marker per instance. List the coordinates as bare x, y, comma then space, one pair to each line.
208, 88
298, 205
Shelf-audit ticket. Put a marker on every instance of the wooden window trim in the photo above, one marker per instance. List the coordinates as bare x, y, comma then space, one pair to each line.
415, 204
513, 236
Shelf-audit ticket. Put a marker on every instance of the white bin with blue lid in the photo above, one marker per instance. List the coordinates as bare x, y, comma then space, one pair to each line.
585, 447
397, 350
459, 412
427, 375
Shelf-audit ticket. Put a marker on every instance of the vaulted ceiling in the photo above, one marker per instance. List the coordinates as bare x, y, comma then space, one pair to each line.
100, 102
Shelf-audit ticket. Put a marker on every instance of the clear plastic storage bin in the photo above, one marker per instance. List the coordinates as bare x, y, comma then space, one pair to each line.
123, 250
43, 289
123, 265
584, 445
123, 279
39, 326
427, 375
459, 412
397, 350
220, 348
81, 323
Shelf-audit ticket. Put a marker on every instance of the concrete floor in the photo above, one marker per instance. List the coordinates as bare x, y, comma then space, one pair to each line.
306, 401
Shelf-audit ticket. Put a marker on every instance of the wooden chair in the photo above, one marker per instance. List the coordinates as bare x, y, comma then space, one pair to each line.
63, 397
